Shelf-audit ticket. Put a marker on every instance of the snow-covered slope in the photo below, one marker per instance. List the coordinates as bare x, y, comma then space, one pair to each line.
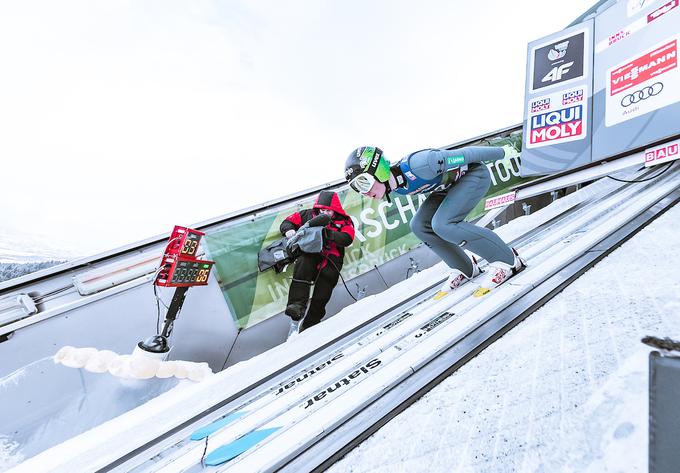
564, 391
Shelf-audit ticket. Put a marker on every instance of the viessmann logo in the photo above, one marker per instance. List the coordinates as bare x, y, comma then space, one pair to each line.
643, 68
557, 125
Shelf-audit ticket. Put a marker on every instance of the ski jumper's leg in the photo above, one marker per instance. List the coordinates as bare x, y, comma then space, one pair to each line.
304, 274
421, 225
448, 221
323, 289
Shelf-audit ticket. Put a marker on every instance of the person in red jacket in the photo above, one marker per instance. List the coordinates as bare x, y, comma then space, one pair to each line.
321, 270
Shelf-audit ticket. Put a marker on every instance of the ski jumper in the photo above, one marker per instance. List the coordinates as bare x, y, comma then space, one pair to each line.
321, 269
457, 180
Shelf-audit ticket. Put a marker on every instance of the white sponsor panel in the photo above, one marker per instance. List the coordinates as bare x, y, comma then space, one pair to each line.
636, 26
643, 83
500, 200
636, 6
662, 154
557, 118
623, 33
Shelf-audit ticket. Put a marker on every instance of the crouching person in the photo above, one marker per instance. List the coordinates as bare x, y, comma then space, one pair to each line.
320, 270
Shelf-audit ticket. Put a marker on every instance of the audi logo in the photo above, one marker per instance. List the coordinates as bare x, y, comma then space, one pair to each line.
642, 94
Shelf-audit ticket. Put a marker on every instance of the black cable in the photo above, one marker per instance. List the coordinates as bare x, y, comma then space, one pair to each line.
205, 450
340, 274
381, 276
646, 179
232, 347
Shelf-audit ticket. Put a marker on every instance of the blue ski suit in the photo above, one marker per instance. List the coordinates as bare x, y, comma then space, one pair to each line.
457, 180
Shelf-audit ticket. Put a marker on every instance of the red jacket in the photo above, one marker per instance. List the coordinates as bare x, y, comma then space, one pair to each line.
339, 232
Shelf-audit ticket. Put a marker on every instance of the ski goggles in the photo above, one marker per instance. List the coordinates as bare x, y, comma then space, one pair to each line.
362, 183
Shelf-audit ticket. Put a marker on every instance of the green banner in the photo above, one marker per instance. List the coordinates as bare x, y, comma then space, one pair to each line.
382, 234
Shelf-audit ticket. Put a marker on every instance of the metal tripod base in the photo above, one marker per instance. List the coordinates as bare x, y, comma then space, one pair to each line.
155, 347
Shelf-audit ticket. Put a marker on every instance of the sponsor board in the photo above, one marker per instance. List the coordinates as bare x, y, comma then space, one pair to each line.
500, 200
643, 83
662, 10
558, 61
636, 6
564, 120
662, 154
382, 233
635, 26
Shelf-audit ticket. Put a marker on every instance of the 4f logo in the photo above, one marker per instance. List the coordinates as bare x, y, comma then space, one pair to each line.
557, 72
558, 51
559, 61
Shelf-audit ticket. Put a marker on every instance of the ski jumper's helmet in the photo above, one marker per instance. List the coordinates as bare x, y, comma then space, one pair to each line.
364, 166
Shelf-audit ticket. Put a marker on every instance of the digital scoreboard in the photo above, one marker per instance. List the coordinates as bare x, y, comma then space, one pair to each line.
180, 267
190, 272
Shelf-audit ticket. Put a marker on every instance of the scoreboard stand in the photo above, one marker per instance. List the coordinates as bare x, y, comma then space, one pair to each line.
179, 269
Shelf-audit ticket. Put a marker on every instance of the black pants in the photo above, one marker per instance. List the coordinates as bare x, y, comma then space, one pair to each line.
306, 273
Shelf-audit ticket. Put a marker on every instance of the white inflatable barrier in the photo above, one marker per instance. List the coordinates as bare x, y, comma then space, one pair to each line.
135, 366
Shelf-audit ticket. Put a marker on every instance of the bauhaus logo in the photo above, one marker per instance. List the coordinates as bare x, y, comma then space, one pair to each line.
558, 61
662, 154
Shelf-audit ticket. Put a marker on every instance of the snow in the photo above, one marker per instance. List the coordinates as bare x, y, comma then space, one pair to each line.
564, 391
116, 437
20, 247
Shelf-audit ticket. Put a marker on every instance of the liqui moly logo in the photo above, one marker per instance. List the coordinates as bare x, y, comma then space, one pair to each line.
500, 200
540, 104
557, 125
572, 97
662, 154
648, 66
662, 10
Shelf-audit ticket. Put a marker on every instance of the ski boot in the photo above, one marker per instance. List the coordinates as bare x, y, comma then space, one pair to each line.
456, 279
498, 272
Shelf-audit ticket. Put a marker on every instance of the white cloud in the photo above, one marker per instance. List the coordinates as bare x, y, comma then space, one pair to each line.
119, 119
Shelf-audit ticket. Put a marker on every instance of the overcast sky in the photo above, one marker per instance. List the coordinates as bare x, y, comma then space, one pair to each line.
119, 119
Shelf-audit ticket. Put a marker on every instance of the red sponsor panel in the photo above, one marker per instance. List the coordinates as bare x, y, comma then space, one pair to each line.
661, 11
650, 65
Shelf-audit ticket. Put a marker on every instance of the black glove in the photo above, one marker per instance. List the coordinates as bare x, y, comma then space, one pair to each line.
320, 220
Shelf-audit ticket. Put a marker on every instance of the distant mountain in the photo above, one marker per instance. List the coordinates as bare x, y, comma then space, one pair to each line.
18, 247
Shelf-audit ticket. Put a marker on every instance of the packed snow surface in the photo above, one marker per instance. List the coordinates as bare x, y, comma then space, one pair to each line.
564, 391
